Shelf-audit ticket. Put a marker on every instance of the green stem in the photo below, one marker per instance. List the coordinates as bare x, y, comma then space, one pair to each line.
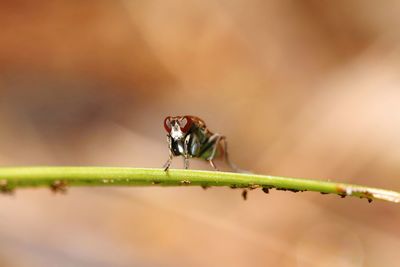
58, 177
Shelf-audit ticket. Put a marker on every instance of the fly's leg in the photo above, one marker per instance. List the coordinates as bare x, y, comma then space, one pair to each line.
168, 163
213, 164
226, 156
227, 160
218, 139
171, 156
186, 162
186, 152
224, 143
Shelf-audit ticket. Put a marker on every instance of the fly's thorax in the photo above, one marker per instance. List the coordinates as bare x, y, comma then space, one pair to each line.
197, 141
202, 134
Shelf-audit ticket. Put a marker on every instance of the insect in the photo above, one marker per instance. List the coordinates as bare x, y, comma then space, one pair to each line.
188, 136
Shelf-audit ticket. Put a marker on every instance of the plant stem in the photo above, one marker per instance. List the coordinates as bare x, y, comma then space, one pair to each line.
57, 177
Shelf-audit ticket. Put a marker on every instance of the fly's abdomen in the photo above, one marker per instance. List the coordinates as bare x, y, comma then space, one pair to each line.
208, 153
208, 150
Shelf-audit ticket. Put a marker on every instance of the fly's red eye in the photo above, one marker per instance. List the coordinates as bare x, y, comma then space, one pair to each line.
167, 124
185, 123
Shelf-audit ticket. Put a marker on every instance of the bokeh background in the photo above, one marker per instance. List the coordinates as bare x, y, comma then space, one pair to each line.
300, 88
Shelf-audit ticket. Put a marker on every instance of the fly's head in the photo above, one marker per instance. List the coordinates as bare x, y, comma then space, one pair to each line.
178, 127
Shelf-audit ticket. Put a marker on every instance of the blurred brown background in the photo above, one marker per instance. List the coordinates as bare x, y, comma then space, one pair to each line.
300, 88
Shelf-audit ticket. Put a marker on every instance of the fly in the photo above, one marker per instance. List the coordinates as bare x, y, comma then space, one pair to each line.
188, 136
